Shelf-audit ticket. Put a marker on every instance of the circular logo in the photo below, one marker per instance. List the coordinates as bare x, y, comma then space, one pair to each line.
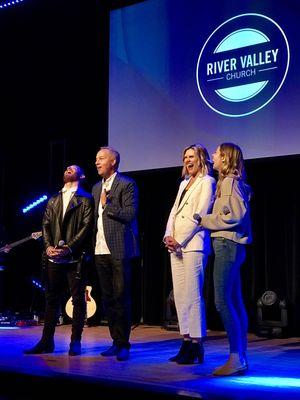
243, 65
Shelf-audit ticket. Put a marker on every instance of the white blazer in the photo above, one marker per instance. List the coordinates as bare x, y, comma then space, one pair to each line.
181, 225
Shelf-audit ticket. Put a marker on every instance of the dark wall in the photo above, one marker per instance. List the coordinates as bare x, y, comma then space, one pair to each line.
53, 95
53, 113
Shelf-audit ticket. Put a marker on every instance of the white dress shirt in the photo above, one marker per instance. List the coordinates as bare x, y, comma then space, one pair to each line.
67, 194
101, 245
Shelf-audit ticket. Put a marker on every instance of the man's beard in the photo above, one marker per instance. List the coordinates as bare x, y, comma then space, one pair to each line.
70, 178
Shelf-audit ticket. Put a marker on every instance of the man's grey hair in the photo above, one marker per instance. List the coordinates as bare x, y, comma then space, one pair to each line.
115, 153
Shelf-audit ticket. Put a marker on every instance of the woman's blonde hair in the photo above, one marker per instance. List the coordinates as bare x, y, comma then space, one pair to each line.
202, 159
232, 164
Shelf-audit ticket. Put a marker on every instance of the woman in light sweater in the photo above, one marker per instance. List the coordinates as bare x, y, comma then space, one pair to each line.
189, 246
230, 229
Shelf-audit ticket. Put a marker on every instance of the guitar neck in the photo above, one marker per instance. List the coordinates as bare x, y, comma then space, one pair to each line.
14, 244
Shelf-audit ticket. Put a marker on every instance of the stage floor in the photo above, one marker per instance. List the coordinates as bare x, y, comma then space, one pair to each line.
274, 366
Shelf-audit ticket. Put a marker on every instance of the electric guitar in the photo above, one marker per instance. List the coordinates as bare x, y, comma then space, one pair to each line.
90, 304
8, 247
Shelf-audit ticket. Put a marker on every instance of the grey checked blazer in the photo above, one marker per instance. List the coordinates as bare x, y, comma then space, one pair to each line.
119, 217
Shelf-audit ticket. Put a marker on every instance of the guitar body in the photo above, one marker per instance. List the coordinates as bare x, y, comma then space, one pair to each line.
90, 304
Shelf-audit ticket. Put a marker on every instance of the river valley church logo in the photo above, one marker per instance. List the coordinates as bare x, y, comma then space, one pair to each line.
243, 65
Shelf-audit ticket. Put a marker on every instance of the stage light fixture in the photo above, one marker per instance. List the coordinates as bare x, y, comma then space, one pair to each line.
34, 204
37, 284
272, 315
11, 3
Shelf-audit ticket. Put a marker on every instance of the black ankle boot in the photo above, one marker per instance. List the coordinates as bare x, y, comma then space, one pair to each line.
194, 353
185, 344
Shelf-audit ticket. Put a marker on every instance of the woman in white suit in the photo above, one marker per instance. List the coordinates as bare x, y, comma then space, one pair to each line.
189, 247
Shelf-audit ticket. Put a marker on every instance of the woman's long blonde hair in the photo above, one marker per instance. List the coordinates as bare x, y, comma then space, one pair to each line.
232, 164
202, 158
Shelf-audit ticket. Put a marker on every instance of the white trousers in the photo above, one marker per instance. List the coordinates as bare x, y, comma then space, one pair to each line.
188, 280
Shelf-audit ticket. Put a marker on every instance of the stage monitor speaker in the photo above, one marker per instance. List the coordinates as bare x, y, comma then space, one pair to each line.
171, 320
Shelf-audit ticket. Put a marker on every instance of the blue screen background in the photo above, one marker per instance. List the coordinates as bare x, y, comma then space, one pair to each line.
155, 109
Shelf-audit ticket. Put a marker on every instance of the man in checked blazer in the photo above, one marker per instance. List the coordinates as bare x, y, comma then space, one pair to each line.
116, 244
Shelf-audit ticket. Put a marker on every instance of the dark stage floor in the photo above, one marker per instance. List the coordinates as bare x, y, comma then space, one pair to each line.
274, 367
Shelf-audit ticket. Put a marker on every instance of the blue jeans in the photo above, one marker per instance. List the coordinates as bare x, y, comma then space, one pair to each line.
229, 256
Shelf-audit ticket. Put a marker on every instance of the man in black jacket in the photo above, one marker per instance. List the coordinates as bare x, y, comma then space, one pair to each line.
67, 227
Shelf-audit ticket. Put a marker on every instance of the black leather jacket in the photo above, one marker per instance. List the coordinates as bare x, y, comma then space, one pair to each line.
76, 227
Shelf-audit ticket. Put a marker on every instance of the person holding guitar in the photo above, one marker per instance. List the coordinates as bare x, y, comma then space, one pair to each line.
67, 229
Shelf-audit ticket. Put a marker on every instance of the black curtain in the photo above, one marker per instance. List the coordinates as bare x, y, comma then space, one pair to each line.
272, 259
53, 113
